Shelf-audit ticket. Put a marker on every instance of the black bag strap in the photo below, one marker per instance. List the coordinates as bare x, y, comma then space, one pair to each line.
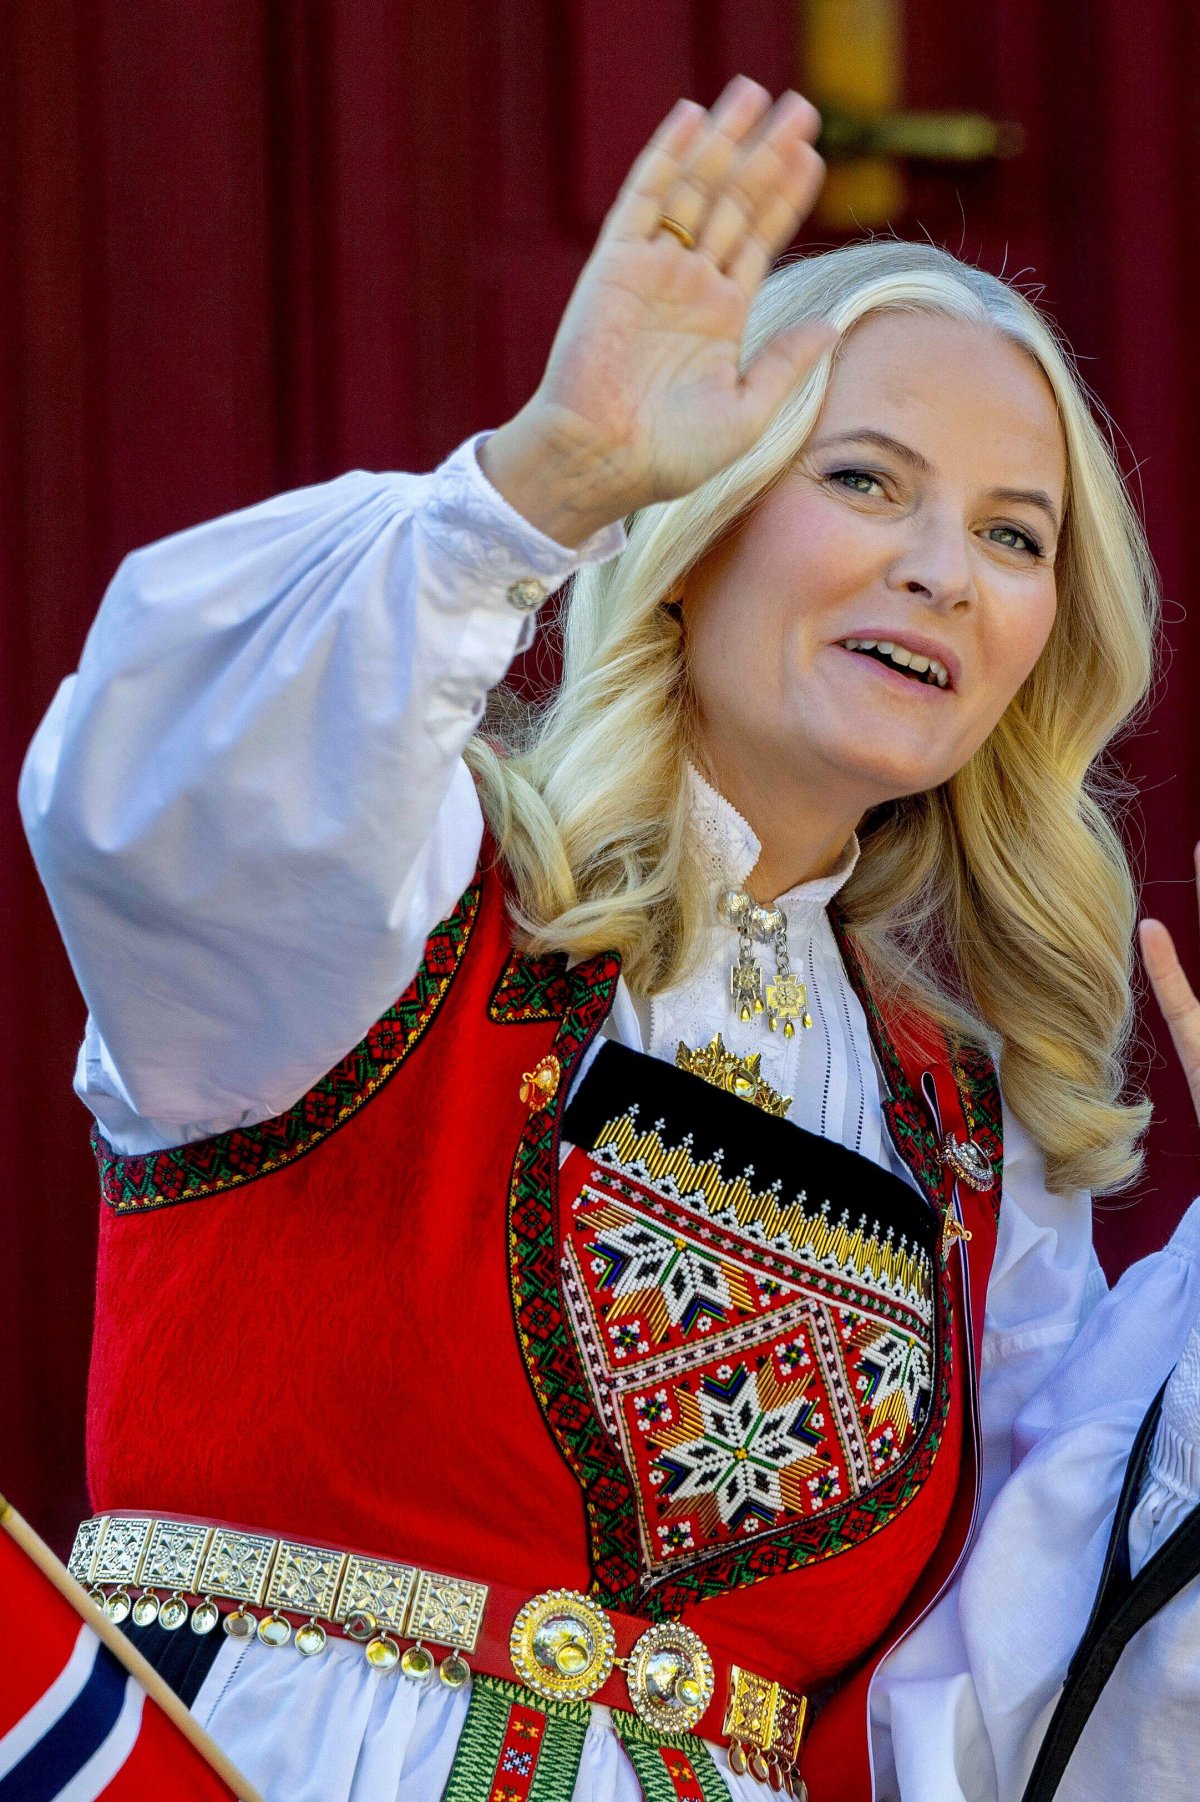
1123, 1604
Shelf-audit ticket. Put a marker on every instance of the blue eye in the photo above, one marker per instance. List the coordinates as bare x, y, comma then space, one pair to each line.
851, 478
1024, 541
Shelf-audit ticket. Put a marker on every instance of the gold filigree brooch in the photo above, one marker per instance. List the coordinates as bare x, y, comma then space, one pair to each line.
740, 1076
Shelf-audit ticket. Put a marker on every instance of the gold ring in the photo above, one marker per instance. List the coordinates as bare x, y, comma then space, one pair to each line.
677, 231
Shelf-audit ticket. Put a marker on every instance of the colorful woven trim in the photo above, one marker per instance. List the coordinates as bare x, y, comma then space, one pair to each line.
676, 1769
911, 1128
515, 1747
979, 1086
531, 990
554, 1359
162, 1179
551, 1356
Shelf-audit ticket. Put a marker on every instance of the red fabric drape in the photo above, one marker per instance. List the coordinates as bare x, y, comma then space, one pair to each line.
252, 244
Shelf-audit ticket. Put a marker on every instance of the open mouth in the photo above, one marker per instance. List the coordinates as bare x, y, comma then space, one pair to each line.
926, 670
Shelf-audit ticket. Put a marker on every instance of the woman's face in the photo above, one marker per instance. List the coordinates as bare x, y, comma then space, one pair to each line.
923, 513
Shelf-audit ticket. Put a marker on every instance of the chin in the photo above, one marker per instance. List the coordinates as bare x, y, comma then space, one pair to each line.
880, 772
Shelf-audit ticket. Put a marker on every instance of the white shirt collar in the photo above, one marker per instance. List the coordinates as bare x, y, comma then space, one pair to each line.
729, 849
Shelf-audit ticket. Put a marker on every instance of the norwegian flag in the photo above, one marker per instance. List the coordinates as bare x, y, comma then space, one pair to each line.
75, 1724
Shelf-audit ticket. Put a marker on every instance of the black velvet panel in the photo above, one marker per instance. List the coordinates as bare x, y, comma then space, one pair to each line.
742, 1137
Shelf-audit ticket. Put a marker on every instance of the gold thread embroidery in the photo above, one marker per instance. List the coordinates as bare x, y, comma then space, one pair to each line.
813, 1235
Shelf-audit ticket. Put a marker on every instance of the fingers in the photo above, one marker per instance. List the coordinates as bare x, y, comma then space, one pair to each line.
738, 116
746, 167
1171, 986
766, 191
787, 201
634, 213
1173, 992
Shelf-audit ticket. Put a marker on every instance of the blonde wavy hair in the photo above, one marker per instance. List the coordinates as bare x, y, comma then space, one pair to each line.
1002, 901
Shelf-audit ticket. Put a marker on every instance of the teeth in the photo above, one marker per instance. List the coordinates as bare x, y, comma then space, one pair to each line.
911, 660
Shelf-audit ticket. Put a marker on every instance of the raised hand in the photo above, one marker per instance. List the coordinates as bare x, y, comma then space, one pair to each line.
642, 399
1174, 993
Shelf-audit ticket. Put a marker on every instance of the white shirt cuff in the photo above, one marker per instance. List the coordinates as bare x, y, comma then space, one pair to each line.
472, 522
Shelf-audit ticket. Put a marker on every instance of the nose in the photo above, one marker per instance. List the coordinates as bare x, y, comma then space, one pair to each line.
935, 561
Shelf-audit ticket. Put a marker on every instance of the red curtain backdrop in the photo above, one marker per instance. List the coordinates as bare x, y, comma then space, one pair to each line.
253, 243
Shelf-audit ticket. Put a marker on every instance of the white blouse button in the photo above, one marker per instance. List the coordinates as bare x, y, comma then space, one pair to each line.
526, 594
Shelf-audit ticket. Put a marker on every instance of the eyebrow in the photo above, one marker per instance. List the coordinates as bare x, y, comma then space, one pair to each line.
904, 453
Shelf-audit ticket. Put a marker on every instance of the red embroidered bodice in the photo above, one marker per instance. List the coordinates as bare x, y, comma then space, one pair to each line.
308, 1327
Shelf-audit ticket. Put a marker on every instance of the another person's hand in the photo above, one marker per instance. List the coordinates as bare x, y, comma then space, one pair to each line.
1176, 998
642, 398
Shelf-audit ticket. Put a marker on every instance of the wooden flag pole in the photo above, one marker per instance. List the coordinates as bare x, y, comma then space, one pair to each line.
123, 1650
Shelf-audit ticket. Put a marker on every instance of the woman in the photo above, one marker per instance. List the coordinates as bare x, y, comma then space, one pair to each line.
676, 1180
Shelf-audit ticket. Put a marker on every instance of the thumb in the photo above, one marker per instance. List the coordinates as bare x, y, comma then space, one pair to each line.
778, 369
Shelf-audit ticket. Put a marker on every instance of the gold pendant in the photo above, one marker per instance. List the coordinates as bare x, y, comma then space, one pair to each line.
416, 1663
738, 1076
117, 1606
273, 1630
953, 1231
787, 1002
145, 1609
205, 1616
311, 1638
383, 1654
173, 1612
786, 997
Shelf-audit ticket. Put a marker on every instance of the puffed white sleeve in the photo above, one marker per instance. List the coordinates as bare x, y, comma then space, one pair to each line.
960, 1707
249, 806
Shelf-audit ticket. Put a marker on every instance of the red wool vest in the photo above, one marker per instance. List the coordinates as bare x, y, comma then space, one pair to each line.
346, 1325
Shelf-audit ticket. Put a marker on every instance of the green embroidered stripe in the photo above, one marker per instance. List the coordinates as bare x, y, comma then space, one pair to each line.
645, 1749
562, 1748
478, 1751
531, 989
551, 1356
474, 1776
979, 1086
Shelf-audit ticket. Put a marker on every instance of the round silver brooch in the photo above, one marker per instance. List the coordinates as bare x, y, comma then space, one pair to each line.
671, 1678
969, 1161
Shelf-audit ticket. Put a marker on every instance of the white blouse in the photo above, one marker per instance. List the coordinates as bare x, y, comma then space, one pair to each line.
249, 807
826, 1070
